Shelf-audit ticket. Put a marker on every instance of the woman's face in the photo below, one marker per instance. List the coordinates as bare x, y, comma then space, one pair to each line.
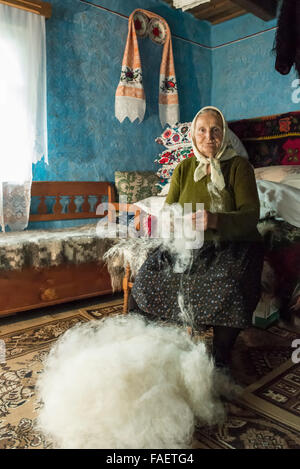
209, 133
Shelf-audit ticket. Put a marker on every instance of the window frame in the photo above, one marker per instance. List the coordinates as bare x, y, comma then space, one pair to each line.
34, 6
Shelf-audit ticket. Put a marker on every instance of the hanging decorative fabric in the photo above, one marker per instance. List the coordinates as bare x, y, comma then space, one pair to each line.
130, 98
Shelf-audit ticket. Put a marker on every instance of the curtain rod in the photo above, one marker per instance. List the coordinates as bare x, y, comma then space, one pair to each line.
33, 6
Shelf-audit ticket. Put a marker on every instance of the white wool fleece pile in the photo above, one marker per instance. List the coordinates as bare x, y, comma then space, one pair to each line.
123, 383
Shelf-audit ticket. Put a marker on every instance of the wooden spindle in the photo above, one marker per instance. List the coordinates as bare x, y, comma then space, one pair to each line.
72, 206
86, 204
42, 207
57, 207
137, 220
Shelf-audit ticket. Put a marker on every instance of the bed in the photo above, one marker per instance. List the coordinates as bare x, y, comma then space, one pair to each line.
45, 267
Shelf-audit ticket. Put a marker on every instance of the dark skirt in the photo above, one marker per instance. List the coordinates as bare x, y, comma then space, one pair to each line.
220, 287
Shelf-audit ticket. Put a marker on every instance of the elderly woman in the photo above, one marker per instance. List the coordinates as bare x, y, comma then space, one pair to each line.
222, 285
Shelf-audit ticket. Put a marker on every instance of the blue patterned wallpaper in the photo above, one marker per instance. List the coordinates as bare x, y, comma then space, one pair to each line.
85, 46
245, 82
182, 24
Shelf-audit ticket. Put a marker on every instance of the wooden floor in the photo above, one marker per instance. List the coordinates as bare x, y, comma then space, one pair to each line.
9, 323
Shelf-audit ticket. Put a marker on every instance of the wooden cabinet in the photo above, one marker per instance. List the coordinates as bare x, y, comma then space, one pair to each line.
31, 288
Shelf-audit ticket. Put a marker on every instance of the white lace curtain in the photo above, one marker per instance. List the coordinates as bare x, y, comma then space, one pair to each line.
23, 111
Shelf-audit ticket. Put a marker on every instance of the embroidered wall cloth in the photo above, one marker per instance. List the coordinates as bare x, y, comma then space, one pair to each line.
130, 98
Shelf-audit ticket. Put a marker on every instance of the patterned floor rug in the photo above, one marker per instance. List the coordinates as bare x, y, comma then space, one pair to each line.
278, 394
260, 420
266, 416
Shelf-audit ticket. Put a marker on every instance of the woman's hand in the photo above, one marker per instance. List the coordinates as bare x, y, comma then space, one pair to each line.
206, 219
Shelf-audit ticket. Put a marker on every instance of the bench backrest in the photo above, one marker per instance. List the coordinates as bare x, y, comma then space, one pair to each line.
70, 191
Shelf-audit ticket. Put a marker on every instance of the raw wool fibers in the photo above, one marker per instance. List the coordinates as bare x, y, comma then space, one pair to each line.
178, 236
125, 250
125, 383
186, 315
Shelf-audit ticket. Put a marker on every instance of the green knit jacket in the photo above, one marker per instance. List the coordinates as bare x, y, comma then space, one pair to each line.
240, 213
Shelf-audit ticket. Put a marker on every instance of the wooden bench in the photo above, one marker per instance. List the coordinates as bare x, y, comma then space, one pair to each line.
35, 288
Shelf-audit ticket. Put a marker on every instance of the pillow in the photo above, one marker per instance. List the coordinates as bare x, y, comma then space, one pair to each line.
292, 181
168, 161
136, 185
180, 136
285, 174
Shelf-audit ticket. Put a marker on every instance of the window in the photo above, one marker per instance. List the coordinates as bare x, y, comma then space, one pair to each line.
23, 121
